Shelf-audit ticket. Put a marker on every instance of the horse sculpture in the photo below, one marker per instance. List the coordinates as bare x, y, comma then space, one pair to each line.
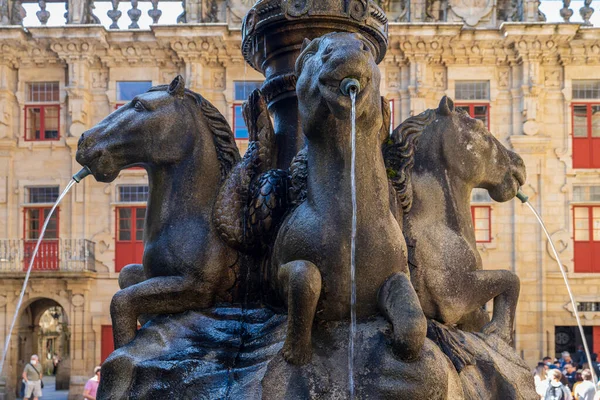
455, 153
311, 255
188, 149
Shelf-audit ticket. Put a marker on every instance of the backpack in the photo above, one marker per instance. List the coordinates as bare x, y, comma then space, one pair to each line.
555, 393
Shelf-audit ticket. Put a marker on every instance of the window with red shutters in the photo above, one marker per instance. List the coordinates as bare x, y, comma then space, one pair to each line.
34, 216
474, 98
586, 238
129, 245
107, 344
42, 111
585, 113
482, 223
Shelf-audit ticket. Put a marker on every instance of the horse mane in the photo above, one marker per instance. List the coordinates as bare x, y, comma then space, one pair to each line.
223, 138
399, 155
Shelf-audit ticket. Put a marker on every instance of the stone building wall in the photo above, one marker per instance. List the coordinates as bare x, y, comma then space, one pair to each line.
530, 67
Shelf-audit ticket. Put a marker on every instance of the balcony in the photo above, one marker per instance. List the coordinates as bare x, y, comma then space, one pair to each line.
54, 255
136, 14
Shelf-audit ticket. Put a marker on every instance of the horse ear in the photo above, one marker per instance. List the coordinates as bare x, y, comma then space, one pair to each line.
305, 43
446, 106
177, 87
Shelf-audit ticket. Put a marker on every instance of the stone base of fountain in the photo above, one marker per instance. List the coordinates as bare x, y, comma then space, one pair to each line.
231, 353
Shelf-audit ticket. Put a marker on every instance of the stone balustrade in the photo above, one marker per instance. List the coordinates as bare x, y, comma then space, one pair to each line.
488, 15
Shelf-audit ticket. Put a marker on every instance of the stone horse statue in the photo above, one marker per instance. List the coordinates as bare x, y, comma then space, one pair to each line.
310, 263
188, 149
452, 154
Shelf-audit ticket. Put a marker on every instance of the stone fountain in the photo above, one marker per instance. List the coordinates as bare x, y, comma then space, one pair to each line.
245, 287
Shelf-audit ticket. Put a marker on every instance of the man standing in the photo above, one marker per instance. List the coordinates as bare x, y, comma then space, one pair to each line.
32, 375
91, 387
570, 373
565, 359
585, 390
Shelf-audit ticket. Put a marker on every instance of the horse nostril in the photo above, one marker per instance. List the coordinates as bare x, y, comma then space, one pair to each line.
81, 139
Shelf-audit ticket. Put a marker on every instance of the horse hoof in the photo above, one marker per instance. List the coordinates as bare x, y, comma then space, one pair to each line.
296, 355
492, 329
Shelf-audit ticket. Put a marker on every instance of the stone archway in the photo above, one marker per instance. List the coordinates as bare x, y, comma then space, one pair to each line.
43, 329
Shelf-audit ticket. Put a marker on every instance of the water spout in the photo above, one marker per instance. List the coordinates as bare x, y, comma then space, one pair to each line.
85, 171
353, 92
525, 200
349, 86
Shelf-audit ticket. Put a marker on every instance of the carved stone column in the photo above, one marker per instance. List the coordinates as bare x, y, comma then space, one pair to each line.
273, 32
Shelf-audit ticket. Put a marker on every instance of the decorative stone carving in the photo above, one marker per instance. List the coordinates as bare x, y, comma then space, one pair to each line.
393, 79
99, 80
18, 13
4, 14
218, 78
439, 79
503, 77
78, 300
471, 11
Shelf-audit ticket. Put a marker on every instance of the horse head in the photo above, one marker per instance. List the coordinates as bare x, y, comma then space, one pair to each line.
159, 128
471, 153
322, 66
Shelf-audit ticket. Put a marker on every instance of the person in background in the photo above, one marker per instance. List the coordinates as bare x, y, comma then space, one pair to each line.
570, 372
585, 390
91, 387
32, 375
595, 365
579, 357
55, 361
540, 378
578, 381
556, 390
565, 359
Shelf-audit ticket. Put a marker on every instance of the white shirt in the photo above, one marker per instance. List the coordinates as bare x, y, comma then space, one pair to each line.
585, 391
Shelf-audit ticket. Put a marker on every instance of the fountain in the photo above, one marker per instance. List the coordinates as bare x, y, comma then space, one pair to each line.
318, 265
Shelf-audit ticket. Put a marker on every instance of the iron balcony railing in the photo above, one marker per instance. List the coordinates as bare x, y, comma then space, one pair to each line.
53, 255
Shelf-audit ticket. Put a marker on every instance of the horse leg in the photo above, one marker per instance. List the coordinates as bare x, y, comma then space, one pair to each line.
474, 321
477, 288
130, 275
399, 303
301, 286
161, 295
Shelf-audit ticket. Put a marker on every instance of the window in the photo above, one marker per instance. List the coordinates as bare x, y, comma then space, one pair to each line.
133, 193
586, 193
127, 90
47, 258
473, 97
42, 111
242, 91
481, 214
392, 115
107, 344
41, 194
129, 247
586, 124
586, 230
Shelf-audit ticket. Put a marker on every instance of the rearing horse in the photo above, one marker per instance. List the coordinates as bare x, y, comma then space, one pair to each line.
188, 149
456, 153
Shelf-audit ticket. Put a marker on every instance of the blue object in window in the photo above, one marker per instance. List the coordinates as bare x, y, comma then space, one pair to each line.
127, 90
241, 131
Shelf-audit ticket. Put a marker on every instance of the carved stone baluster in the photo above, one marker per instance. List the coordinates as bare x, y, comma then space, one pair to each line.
586, 12
134, 15
114, 14
18, 13
89, 17
566, 12
181, 19
42, 14
4, 15
154, 13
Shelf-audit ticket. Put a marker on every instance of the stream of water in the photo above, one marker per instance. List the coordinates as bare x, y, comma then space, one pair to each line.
33, 256
566, 279
353, 94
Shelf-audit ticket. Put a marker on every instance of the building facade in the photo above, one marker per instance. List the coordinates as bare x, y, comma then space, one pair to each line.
535, 84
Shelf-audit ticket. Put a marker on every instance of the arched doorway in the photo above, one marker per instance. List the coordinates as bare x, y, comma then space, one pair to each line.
44, 330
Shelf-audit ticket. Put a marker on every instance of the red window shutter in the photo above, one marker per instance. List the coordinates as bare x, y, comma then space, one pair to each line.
107, 344
129, 245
